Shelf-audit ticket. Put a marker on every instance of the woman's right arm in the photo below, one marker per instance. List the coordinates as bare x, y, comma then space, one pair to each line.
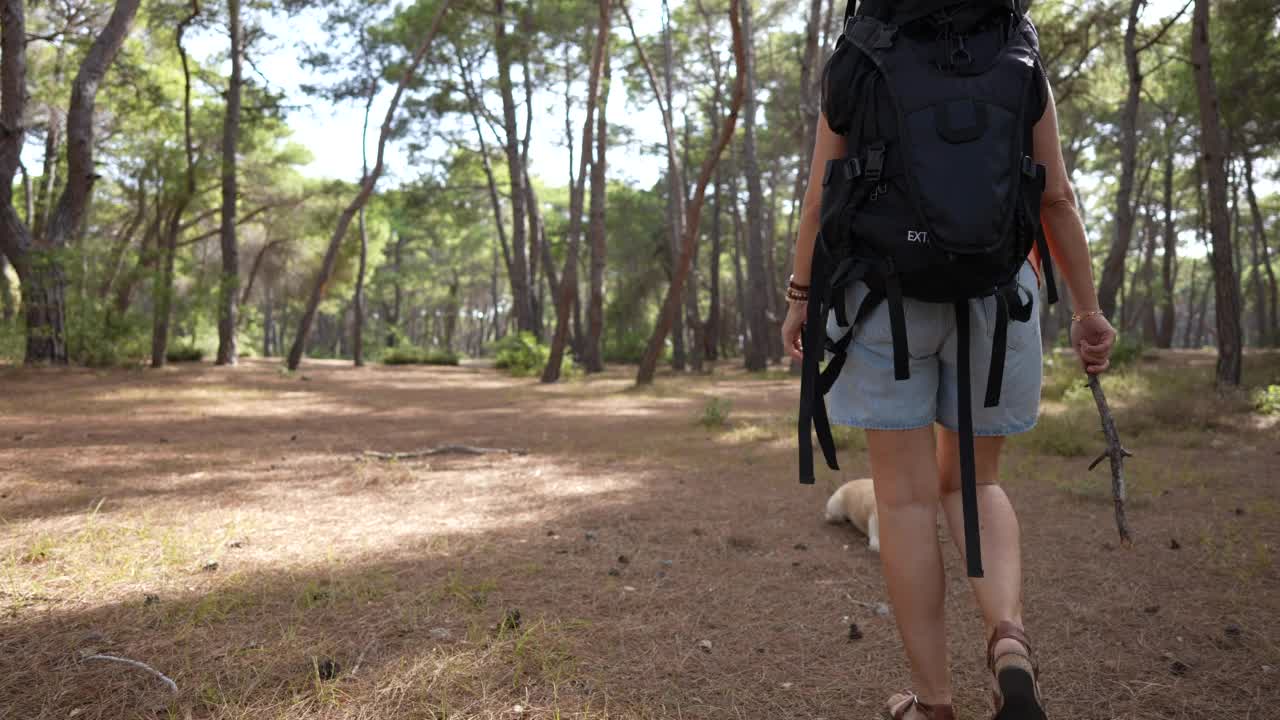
1092, 337
828, 146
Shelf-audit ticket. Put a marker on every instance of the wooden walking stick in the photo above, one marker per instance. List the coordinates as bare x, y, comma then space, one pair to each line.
1117, 453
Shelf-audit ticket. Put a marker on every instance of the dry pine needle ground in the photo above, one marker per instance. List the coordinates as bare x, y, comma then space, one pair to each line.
649, 556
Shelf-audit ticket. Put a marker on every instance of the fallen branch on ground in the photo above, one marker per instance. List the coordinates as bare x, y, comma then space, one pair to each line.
141, 666
1117, 453
443, 450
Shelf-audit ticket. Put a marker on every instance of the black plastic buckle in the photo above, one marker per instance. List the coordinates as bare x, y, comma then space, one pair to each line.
1029, 167
875, 162
885, 37
853, 169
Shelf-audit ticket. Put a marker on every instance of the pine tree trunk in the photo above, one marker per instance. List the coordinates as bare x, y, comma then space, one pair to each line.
396, 310
1269, 317
268, 323
229, 288
321, 282
520, 290
1227, 288
35, 257
7, 307
1147, 310
692, 221
739, 278
450, 324
1190, 318
1168, 265
712, 327
566, 301
162, 295
757, 308
592, 357
43, 288
1113, 268
167, 242
357, 301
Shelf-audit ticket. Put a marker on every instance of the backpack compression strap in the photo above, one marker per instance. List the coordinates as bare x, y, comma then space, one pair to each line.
814, 386
968, 471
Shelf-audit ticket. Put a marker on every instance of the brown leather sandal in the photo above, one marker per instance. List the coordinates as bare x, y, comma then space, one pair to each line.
899, 705
1015, 677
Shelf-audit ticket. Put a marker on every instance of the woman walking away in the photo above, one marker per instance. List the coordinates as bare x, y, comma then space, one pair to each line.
937, 206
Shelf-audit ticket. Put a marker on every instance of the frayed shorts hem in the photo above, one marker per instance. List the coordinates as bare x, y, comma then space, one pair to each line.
1011, 429
1003, 431
881, 425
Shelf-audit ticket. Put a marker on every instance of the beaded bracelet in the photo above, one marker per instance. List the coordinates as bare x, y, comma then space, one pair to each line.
797, 296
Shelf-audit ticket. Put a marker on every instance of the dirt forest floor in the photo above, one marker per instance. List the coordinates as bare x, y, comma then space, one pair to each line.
649, 555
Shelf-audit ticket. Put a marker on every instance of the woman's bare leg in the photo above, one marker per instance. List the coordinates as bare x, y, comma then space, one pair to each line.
999, 594
907, 495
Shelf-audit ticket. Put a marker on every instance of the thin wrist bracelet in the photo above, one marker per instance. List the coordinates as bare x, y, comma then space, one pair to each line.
1077, 317
794, 295
791, 282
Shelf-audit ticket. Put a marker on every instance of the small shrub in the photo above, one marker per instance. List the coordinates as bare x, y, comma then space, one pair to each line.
1066, 434
627, 348
184, 354
1266, 400
1128, 350
1062, 373
522, 355
13, 342
410, 355
715, 414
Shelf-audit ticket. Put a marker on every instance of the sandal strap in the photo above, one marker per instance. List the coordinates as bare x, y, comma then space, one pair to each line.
1006, 630
899, 710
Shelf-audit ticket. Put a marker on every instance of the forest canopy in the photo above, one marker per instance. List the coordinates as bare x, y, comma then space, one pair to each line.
598, 181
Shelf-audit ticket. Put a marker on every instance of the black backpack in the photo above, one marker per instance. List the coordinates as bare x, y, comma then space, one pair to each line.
938, 198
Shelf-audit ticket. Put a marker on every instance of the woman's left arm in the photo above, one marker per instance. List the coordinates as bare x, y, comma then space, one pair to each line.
828, 146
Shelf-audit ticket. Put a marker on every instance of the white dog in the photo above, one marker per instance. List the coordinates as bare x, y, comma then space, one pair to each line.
855, 501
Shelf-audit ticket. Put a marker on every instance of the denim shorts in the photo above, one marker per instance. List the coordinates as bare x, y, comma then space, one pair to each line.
866, 395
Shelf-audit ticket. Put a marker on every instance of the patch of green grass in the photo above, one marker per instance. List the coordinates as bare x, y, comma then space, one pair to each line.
216, 607
540, 652
1147, 477
1238, 552
471, 595
754, 432
1170, 402
39, 550
849, 438
344, 590
1069, 433
715, 414
104, 551
1266, 400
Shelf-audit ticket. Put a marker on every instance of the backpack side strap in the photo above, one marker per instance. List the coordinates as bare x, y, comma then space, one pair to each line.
968, 470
